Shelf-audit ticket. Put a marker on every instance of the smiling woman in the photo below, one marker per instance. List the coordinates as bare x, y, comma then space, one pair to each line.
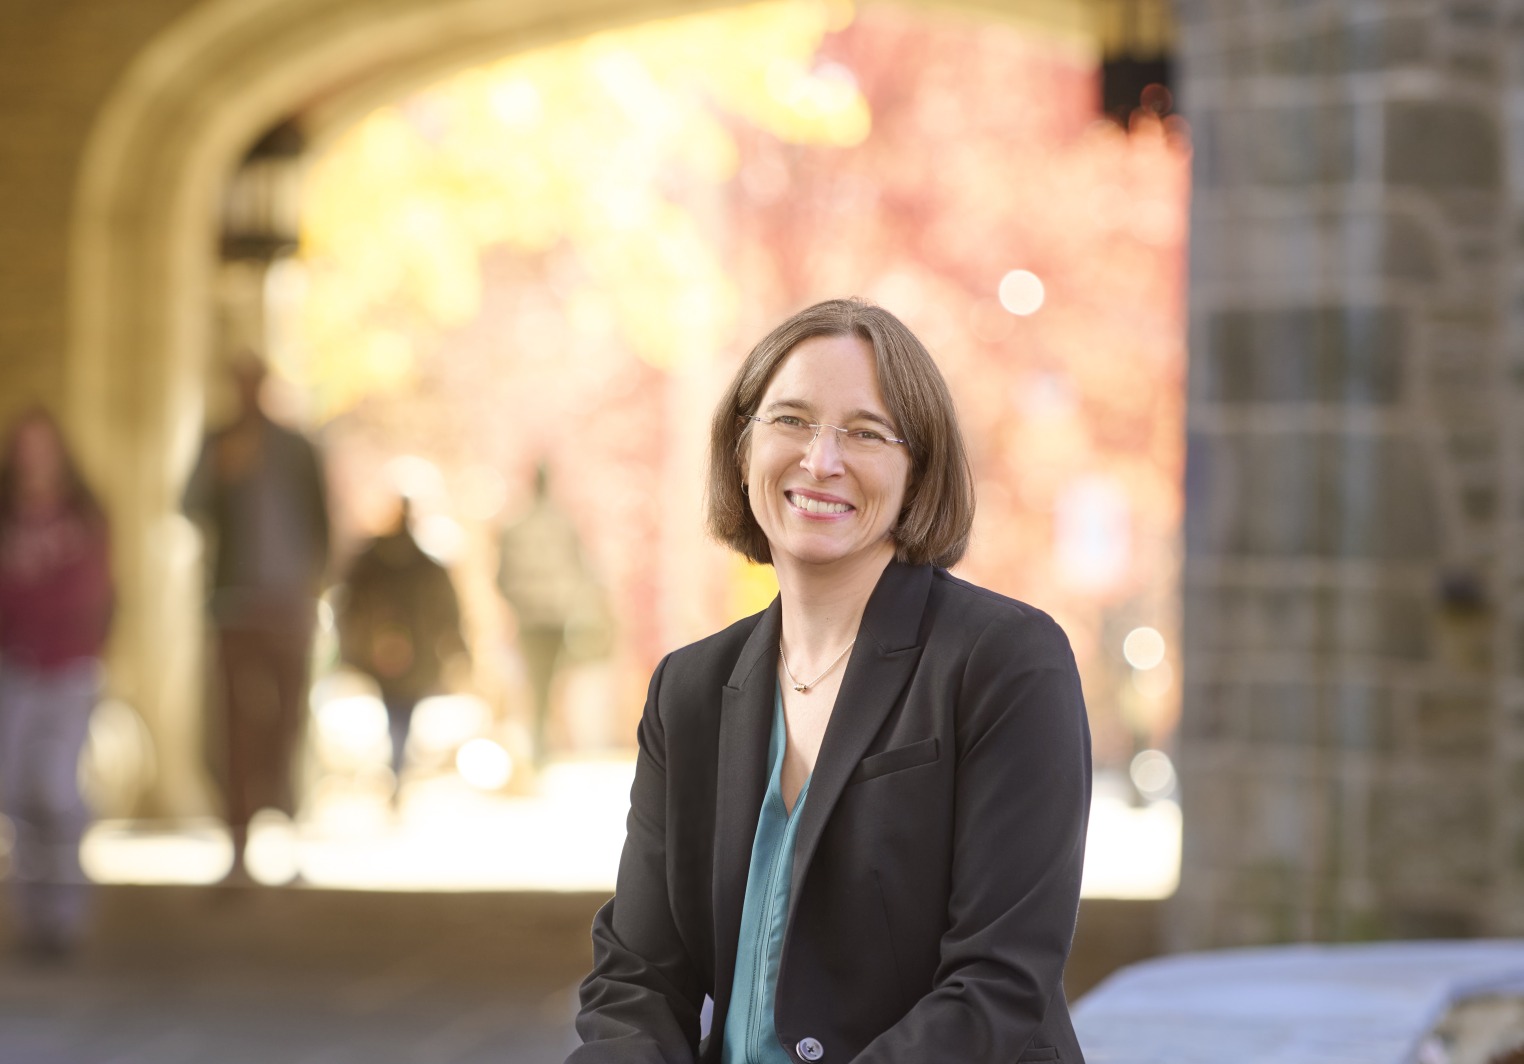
879, 862
837, 497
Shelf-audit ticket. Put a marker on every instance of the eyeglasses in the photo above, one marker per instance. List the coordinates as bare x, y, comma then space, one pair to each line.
860, 439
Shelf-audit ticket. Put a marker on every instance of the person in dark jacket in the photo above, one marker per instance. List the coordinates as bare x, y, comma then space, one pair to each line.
259, 495
399, 624
858, 817
56, 602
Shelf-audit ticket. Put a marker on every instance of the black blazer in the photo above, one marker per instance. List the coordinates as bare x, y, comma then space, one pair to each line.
937, 869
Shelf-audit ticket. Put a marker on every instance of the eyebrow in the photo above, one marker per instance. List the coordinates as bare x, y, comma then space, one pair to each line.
855, 415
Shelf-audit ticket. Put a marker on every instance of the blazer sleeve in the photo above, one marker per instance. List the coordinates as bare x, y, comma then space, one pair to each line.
641, 1003
1022, 807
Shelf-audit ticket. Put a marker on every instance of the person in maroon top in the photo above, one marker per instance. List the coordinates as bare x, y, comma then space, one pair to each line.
55, 608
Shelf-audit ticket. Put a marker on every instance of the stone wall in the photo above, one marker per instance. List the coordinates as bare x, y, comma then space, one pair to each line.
1352, 585
58, 63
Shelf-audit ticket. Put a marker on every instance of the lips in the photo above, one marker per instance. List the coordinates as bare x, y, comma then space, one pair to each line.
811, 504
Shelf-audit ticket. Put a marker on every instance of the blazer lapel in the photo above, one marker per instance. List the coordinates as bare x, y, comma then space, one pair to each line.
746, 718
888, 647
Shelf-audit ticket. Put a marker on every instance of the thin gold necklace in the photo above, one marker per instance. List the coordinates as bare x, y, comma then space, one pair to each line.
804, 687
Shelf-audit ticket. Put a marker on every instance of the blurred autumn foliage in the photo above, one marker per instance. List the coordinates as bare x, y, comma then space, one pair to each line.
564, 255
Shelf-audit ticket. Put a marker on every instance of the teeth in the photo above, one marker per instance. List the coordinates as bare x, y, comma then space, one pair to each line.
818, 506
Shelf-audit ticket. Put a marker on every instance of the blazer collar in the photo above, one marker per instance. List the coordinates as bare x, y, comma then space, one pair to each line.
888, 647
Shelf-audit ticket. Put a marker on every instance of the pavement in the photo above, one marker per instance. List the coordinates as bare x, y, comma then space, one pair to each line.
258, 975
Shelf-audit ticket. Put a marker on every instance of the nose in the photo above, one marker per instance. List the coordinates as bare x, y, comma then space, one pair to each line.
822, 458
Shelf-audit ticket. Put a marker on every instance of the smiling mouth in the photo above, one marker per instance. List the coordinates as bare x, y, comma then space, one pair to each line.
816, 506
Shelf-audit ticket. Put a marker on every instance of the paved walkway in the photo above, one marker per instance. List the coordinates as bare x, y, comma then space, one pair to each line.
176, 975
294, 975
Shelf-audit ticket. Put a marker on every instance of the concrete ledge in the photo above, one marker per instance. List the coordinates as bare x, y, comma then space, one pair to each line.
1365, 1004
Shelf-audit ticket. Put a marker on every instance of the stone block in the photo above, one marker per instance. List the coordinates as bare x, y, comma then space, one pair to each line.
1433, 827
1215, 482
1281, 499
1357, 494
1366, 45
1300, 255
1454, 722
1283, 713
1431, 920
1474, 64
1361, 717
1289, 619
1472, 14
1321, 354
1480, 502
1212, 711
1298, 145
1348, 716
1378, 622
1405, 249
1379, 497
1442, 146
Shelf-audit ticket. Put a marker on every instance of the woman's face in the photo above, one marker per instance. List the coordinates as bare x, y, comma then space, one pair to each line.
819, 503
39, 463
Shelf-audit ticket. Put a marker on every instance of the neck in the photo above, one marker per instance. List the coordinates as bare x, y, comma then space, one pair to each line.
823, 606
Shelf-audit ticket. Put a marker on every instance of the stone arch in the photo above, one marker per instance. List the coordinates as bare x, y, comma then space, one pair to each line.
141, 254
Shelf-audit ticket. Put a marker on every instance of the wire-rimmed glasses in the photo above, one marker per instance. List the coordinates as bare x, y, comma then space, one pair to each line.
855, 439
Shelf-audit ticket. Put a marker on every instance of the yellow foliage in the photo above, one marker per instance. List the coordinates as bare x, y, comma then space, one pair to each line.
603, 145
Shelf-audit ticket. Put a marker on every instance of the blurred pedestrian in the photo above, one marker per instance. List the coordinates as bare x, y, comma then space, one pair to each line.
399, 624
258, 493
55, 607
545, 579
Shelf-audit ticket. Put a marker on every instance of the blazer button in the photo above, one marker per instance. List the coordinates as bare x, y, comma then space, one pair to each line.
809, 1049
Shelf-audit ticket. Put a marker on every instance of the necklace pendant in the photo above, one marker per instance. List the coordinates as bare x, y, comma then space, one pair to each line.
801, 688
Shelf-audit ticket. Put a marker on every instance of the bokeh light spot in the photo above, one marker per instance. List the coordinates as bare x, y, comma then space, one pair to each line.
1143, 648
1022, 292
484, 764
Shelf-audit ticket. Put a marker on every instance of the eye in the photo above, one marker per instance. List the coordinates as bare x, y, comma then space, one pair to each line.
790, 421
868, 436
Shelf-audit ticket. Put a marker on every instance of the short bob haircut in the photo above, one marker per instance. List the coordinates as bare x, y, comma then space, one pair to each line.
934, 525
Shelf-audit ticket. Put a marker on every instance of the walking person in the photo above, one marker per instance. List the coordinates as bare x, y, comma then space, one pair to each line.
259, 496
56, 601
399, 624
858, 817
544, 576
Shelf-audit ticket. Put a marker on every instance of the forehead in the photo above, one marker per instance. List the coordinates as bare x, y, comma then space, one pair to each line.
834, 371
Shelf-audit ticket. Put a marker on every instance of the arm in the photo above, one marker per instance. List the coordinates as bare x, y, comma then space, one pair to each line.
197, 501
316, 477
641, 1003
1022, 806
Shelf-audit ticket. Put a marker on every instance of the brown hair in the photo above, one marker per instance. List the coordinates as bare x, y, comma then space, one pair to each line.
934, 524
78, 499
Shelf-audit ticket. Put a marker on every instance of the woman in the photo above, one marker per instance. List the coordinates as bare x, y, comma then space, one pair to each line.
55, 606
858, 817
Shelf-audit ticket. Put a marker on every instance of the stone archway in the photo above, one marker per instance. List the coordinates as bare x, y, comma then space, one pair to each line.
142, 242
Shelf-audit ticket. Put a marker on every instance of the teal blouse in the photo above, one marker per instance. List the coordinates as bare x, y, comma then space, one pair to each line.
750, 1035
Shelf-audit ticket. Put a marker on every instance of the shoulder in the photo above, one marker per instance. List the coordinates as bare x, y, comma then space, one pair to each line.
707, 664
984, 622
